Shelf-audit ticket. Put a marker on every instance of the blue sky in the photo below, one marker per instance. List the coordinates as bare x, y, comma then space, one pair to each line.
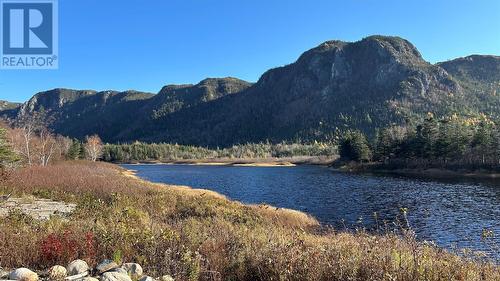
143, 45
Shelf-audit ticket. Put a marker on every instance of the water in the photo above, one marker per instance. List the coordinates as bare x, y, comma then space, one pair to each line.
452, 214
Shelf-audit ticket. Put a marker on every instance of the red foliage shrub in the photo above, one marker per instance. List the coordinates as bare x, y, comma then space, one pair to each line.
67, 246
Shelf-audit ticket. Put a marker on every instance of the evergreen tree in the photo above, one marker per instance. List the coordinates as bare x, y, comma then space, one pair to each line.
75, 152
429, 135
7, 156
482, 140
354, 146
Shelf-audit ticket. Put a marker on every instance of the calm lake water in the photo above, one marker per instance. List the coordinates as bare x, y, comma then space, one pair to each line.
452, 214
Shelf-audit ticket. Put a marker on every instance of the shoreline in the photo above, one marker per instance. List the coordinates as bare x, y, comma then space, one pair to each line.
243, 162
429, 173
312, 221
366, 169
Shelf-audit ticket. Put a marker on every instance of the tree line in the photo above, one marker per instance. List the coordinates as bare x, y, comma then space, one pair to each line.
139, 151
452, 142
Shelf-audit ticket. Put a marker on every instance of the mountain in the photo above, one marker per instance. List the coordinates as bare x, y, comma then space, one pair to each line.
366, 85
78, 113
173, 98
479, 77
8, 109
338, 85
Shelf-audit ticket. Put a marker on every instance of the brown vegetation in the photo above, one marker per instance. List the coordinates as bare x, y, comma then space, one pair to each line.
200, 235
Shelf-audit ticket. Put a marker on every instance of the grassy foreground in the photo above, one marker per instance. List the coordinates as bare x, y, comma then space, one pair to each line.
199, 235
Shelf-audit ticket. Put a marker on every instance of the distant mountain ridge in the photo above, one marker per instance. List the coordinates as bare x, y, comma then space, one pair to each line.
365, 85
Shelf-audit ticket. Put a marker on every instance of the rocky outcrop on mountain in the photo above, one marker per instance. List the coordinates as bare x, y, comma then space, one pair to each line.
53, 99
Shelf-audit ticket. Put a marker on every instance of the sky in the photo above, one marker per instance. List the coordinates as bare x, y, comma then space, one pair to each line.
144, 45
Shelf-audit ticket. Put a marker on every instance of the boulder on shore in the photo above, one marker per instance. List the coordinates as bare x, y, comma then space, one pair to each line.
106, 265
23, 274
57, 272
77, 267
115, 276
134, 270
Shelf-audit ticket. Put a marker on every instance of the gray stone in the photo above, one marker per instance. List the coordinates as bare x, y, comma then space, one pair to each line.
115, 276
77, 267
106, 265
23, 274
57, 272
77, 277
134, 270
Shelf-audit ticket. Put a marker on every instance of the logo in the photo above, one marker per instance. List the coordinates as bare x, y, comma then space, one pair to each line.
29, 34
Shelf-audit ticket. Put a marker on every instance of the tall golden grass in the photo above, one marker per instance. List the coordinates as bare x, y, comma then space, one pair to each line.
200, 235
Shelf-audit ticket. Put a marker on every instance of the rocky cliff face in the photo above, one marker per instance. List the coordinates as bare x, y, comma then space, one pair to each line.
53, 100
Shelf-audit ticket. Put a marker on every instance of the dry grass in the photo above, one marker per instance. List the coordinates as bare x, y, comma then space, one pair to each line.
200, 235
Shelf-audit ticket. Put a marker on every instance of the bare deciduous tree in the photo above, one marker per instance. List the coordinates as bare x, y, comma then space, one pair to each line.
46, 146
93, 147
32, 139
28, 126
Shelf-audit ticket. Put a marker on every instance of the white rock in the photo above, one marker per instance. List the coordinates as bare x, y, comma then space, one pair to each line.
90, 279
77, 267
134, 270
57, 272
76, 277
115, 276
23, 274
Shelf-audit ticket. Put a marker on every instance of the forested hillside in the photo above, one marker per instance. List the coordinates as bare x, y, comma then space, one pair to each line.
367, 85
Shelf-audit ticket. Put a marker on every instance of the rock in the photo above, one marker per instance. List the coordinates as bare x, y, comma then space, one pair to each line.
77, 267
106, 265
115, 276
134, 270
167, 278
120, 270
23, 274
57, 272
89, 279
146, 278
77, 277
